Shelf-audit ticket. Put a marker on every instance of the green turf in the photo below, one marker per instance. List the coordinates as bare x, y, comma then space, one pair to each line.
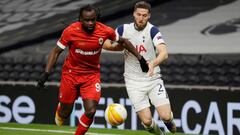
41, 129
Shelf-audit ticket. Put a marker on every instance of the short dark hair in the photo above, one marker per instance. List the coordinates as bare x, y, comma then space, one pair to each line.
143, 4
89, 8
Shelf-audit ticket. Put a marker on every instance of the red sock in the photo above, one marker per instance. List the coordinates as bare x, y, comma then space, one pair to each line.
84, 123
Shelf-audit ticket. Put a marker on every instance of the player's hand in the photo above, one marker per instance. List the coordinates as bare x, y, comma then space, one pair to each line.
43, 78
151, 69
143, 64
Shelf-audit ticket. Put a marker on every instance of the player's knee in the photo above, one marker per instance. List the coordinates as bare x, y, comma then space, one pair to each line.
147, 122
65, 114
167, 116
65, 110
90, 113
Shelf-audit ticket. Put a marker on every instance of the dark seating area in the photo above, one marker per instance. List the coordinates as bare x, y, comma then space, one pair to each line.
178, 70
16, 54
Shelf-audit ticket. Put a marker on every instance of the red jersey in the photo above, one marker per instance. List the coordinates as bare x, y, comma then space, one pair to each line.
84, 48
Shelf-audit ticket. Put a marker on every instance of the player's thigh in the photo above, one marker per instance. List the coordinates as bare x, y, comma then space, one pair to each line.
67, 91
137, 95
91, 88
165, 112
158, 95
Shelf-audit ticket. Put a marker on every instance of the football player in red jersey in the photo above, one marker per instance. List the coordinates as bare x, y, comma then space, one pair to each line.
81, 69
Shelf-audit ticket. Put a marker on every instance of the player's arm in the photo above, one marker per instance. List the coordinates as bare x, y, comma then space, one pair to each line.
110, 46
161, 57
116, 36
52, 59
128, 45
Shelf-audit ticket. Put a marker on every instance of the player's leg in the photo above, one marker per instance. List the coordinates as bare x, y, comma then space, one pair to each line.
90, 92
137, 92
67, 96
63, 112
166, 115
149, 124
87, 118
160, 100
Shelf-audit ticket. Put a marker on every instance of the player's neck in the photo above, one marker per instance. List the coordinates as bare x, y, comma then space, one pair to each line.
88, 31
138, 28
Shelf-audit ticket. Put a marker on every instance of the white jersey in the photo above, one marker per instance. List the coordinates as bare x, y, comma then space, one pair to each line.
145, 42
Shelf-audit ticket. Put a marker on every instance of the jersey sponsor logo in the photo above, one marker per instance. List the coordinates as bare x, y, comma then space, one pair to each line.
86, 52
100, 41
140, 48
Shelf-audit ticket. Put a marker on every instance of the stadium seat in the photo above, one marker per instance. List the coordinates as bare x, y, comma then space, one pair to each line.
182, 70
165, 70
24, 76
104, 69
205, 71
38, 68
28, 68
207, 80
220, 71
58, 68
55, 77
114, 78
222, 81
18, 68
4, 75
116, 70
233, 71
235, 81
191, 70
1, 68
193, 79
34, 76
177, 70
13, 76
104, 78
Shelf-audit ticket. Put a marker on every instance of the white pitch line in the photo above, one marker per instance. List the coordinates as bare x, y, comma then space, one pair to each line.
51, 131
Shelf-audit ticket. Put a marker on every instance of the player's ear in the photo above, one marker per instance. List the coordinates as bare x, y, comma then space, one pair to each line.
79, 18
98, 13
134, 14
149, 16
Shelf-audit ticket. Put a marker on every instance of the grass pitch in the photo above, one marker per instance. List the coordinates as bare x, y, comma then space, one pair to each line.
44, 129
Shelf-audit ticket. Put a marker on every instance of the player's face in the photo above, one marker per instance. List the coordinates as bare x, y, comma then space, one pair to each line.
141, 17
89, 20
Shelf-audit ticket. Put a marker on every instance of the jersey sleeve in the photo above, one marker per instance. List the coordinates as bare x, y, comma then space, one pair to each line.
156, 36
119, 30
64, 40
113, 35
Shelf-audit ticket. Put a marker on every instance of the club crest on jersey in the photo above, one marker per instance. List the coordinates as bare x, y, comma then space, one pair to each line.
100, 41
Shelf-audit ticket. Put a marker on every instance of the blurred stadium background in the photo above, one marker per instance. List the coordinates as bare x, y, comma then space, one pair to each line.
203, 69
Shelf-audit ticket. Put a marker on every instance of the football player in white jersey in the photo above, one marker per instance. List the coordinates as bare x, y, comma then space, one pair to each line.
144, 86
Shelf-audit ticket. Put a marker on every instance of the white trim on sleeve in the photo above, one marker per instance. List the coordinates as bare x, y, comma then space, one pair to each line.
158, 39
61, 45
117, 35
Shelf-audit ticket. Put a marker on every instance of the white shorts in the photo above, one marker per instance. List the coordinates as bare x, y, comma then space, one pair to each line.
140, 92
